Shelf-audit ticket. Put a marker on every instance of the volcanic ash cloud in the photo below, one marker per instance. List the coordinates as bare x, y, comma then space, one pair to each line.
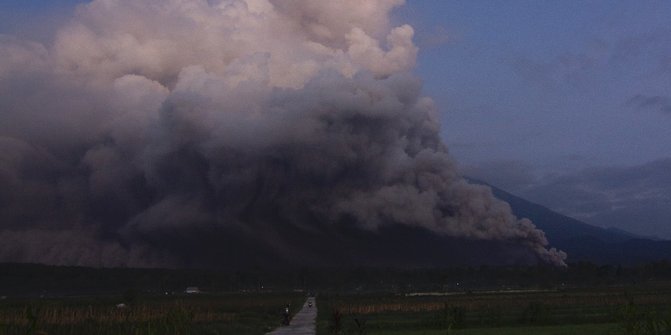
153, 121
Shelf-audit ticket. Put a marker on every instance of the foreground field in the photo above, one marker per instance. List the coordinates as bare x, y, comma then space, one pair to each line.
591, 329
202, 314
581, 299
630, 311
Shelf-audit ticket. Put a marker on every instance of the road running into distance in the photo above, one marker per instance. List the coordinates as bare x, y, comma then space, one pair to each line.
303, 323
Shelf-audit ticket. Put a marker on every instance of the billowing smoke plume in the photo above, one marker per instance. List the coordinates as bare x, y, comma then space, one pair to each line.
150, 127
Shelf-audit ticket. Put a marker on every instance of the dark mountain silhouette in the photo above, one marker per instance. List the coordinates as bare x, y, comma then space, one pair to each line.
404, 246
284, 245
345, 245
584, 242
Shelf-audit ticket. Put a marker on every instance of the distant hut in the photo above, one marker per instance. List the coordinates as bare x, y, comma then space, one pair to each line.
192, 290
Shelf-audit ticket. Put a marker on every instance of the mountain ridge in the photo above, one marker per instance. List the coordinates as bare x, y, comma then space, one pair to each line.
585, 242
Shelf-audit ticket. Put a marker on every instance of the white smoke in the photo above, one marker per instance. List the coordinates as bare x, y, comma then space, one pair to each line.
164, 118
282, 43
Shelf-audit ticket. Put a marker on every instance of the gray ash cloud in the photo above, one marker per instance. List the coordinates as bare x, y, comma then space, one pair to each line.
212, 127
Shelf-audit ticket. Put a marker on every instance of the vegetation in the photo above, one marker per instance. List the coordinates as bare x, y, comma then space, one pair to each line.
634, 310
29, 280
206, 314
581, 299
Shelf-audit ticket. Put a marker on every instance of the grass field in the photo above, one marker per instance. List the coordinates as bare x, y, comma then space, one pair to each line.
589, 329
199, 314
626, 311
634, 310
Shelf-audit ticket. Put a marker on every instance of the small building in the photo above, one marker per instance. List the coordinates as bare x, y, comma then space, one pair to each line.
192, 290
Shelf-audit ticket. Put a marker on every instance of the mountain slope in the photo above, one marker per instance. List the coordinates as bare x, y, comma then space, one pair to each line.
584, 242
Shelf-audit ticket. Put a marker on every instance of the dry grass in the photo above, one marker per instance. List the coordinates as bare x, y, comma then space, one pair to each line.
503, 301
174, 315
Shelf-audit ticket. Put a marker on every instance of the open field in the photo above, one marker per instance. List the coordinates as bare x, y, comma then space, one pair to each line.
581, 299
591, 329
606, 310
198, 314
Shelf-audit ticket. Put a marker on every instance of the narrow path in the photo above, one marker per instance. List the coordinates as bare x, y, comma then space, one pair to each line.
303, 322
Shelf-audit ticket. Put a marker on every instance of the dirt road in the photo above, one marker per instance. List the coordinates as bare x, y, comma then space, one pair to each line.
303, 322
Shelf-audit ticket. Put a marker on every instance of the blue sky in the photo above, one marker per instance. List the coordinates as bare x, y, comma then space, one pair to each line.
34, 19
549, 99
548, 82
536, 96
